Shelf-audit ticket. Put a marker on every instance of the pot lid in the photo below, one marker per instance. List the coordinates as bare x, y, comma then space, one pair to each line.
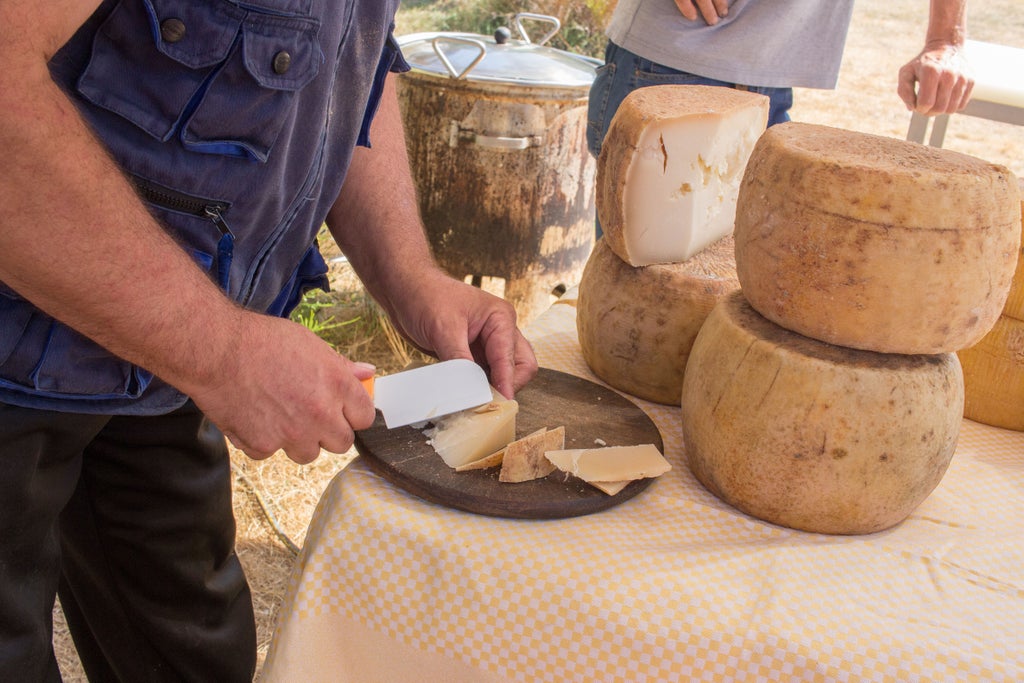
497, 58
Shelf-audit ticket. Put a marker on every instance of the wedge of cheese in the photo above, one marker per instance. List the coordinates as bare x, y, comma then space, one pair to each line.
875, 243
636, 324
994, 376
524, 459
811, 435
611, 463
670, 169
471, 434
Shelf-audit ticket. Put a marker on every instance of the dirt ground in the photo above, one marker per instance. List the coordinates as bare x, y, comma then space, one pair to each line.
275, 499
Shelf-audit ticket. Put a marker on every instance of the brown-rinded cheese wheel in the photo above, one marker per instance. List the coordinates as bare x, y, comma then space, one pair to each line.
994, 376
670, 169
814, 436
636, 324
875, 243
1015, 299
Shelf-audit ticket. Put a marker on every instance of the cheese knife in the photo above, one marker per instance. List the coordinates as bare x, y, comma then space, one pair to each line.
429, 391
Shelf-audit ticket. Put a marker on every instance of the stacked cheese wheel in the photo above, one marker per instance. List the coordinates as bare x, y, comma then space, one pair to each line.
667, 180
827, 395
994, 367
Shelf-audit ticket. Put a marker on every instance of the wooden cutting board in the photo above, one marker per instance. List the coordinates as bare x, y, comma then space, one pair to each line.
588, 411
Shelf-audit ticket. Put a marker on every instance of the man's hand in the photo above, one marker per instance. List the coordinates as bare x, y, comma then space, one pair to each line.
452, 319
937, 81
285, 388
709, 10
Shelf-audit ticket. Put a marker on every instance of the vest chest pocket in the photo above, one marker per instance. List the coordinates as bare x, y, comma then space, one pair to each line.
221, 78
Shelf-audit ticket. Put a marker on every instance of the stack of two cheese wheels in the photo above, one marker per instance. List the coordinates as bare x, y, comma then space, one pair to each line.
826, 395
994, 367
667, 180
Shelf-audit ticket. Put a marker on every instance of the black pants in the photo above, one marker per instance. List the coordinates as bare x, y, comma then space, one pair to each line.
130, 520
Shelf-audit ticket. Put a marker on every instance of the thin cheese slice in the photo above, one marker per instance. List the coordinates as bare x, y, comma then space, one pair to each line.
670, 169
611, 464
472, 434
492, 460
524, 459
610, 487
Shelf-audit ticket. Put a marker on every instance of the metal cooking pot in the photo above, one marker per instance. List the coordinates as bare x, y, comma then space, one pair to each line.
496, 129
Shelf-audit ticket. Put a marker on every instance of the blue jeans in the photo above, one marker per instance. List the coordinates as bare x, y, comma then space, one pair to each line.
623, 72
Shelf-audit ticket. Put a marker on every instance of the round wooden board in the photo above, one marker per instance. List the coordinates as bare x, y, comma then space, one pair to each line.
588, 411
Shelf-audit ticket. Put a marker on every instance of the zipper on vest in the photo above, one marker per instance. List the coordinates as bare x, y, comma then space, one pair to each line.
210, 209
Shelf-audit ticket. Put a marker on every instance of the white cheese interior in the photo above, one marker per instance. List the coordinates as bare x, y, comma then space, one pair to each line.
681, 186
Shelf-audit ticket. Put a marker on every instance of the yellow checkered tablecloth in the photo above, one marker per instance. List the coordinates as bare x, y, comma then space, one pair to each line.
673, 585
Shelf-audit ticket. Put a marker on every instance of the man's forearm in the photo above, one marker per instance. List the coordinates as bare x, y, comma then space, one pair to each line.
379, 195
77, 242
947, 23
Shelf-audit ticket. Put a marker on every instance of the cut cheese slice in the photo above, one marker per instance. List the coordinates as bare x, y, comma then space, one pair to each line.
611, 463
670, 169
1015, 299
486, 462
814, 436
524, 459
994, 376
875, 243
610, 487
636, 324
472, 434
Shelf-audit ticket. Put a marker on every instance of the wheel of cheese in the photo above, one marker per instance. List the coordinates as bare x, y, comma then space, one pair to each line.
994, 376
670, 169
814, 436
1015, 299
875, 243
636, 324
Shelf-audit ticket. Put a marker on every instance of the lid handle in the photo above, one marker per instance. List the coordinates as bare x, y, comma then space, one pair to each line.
436, 44
538, 17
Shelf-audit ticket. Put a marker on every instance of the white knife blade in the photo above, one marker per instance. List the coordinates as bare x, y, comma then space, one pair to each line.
430, 391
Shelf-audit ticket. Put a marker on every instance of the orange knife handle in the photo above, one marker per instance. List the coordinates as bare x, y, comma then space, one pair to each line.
368, 385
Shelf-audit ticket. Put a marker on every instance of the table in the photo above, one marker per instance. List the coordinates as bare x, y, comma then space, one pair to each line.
673, 585
998, 93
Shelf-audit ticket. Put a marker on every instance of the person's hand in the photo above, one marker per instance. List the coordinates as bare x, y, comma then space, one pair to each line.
937, 81
452, 319
709, 10
283, 388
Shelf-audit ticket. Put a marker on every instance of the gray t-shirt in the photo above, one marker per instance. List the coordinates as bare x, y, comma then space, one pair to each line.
771, 43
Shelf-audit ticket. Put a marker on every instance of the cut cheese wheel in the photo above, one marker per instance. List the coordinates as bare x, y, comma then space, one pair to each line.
636, 324
875, 243
1015, 299
670, 167
472, 434
994, 376
612, 463
814, 436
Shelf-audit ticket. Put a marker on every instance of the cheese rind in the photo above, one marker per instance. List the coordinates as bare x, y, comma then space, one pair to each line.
994, 376
670, 168
475, 433
875, 243
1014, 307
524, 458
611, 463
814, 436
636, 324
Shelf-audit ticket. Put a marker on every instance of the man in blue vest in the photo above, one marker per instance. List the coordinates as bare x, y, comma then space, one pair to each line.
167, 165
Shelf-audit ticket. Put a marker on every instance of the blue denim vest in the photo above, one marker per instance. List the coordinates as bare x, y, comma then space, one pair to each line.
236, 121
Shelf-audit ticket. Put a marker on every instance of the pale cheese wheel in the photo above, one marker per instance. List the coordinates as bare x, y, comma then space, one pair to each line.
636, 324
814, 436
875, 243
1015, 299
994, 376
670, 168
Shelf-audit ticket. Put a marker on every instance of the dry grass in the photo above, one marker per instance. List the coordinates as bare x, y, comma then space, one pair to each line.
885, 33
